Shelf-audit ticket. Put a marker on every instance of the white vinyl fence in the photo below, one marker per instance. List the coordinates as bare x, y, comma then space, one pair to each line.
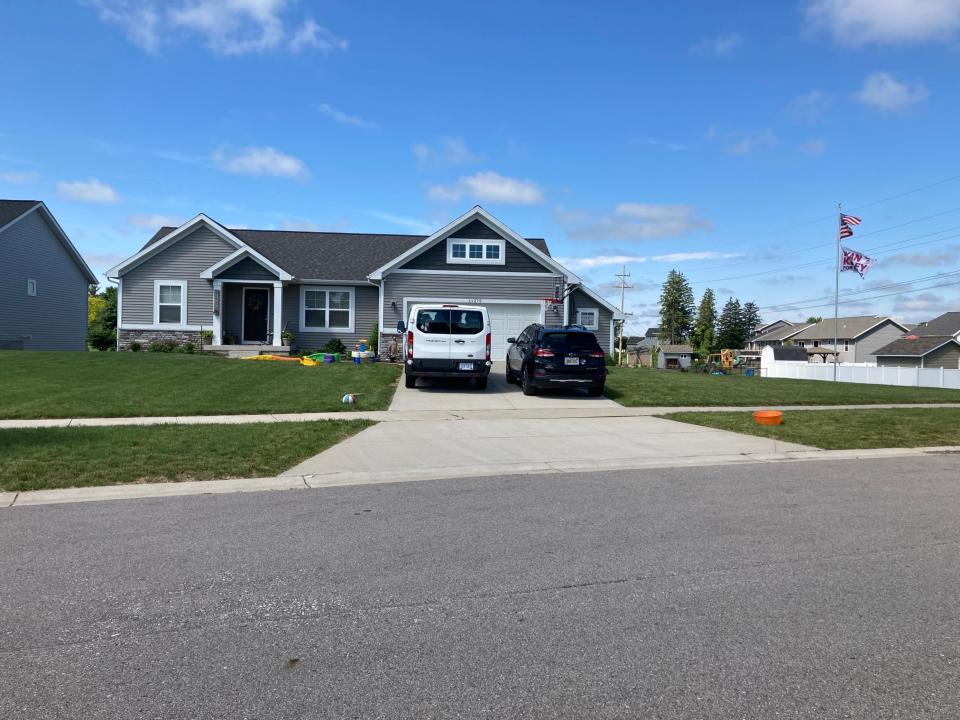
860, 373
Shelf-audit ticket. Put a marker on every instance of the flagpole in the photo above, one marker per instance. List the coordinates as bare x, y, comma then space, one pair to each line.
836, 296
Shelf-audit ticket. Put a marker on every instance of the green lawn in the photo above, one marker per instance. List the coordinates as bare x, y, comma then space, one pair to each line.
108, 384
43, 458
844, 429
669, 388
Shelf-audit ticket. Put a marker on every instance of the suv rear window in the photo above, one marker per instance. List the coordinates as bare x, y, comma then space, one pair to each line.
569, 341
466, 322
435, 322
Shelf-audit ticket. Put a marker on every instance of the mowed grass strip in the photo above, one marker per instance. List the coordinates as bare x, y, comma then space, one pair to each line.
44, 458
109, 384
641, 387
844, 429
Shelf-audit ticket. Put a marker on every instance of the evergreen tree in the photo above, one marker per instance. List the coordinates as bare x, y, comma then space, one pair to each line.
730, 328
751, 318
704, 338
676, 309
814, 319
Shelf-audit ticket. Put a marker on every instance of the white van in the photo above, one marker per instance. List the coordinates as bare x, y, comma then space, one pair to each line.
446, 341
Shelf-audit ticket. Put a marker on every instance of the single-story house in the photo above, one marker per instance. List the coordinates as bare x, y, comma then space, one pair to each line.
673, 356
928, 351
255, 286
858, 338
44, 282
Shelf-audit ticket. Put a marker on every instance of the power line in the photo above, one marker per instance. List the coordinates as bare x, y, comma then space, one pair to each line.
877, 297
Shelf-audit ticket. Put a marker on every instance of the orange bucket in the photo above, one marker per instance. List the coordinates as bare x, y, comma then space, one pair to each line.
767, 417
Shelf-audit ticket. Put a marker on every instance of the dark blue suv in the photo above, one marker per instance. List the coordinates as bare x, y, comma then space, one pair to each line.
553, 357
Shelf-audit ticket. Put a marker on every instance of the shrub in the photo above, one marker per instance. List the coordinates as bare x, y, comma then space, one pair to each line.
333, 346
171, 346
101, 339
374, 339
609, 360
206, 337
158, 346
188, 347
135, 346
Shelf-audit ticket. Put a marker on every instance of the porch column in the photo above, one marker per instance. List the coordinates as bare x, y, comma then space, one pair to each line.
278, 313
217, 312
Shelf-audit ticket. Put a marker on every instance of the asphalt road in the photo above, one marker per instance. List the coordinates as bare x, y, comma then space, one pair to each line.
800, 590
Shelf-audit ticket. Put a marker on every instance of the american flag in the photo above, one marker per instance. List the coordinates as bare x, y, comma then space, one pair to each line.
849, 220
854, 261
846, 231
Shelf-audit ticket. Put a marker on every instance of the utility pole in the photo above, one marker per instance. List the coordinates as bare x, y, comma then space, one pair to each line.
622, 277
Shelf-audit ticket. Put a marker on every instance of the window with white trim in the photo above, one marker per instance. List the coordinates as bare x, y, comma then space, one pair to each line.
170, 302
32, 288
475, 252
326, 308
589, 318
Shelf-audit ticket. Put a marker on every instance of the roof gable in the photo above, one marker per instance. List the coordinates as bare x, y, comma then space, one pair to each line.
915, 346
846, 328
946, 324
12, 211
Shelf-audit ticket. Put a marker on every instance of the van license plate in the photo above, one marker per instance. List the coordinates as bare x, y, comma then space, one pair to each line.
466, 366
571, 361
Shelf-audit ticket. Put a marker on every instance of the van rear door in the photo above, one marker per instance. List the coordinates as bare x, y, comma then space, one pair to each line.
431, 334
468, 334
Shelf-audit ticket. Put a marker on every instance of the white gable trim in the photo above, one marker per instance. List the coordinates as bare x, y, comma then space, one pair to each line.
606, 303
475, 213
180, 232
61, 236
245, 252
919, 355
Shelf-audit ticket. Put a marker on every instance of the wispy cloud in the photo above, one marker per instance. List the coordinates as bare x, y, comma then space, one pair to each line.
861, 22
418, 226
152, 221
719, 46
19, 177
260, 161
91, 190
313, 35
444, 152
489, 186
812, 106
667, 145
884, 92
587, 263
633, 221
944, 257
749, 143
299, 224
923, 301
344, 118
816, 146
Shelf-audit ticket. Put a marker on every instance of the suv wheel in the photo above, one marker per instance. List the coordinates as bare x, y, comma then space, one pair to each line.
410, 380
595, 391
510, 378
528, 388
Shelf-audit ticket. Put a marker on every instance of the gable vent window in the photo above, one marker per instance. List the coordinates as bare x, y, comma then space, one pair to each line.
475, 252
32, 288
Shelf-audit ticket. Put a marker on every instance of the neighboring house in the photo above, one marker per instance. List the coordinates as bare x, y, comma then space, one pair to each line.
249, 286
777, 337
44, 283
946, 324
770, 327
858, 338
674, 356
931, 351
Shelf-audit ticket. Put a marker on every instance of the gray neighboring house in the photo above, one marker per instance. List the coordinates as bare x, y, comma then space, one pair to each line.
932, 344
777, 337
248, 287
858, 338
44, 282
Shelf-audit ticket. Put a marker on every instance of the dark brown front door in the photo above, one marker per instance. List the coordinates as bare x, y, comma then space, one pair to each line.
256, 303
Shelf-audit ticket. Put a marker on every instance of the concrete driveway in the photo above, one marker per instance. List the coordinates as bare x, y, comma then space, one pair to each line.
450, 429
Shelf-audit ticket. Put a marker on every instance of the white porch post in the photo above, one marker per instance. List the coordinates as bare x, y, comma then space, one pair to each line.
218, 313
278, 313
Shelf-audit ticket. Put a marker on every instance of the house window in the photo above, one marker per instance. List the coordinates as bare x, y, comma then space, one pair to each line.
816, 343
475, 252
326, 308
846, 345
800, 343
589, 318
32, 288
170, 301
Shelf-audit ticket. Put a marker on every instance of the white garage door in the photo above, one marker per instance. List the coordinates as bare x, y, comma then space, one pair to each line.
508, 321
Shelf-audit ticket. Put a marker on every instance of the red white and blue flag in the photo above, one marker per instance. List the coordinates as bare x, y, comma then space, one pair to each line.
847, 223
854, 261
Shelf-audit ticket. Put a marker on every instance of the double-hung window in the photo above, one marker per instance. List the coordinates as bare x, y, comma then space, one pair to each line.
170, 302
326, 308
589, 318
475, 252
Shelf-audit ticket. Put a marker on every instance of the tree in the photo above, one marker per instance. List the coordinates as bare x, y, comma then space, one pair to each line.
730, 329
814, 319
704, 337
751, 318
676, 308
102, 319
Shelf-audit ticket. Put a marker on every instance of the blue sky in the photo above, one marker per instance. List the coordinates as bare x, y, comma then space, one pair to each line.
715, 138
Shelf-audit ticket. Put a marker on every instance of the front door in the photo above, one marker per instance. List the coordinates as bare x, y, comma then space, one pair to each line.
256, 310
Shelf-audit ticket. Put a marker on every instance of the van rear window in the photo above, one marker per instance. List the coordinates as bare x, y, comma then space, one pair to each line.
434, 322
570, 342
466, 322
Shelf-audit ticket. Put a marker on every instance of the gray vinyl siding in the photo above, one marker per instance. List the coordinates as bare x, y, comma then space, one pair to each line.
868, 344
56, 318
246, 269
232, 303
581, 299
515, 260
947, 357
183, 260
366, 298
897, 361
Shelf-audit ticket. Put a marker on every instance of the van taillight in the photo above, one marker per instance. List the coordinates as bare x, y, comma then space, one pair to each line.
410, 344
488, 346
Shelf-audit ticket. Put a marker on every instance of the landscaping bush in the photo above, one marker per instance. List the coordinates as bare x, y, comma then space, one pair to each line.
188, 347
373, 341
135, 346
333, 346
206, 337
101, 338
163, 346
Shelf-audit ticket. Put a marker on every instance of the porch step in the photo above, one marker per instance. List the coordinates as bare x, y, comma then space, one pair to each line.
242, 351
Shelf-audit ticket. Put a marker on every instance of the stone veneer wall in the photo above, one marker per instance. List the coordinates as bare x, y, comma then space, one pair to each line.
145, 337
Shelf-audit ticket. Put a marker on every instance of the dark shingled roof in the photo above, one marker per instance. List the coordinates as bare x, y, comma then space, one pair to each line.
946, 324
914, 346
328, 255
10, 210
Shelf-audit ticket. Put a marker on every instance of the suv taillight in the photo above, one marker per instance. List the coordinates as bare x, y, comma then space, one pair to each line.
488, 345
597, 353
542, 352
410, 345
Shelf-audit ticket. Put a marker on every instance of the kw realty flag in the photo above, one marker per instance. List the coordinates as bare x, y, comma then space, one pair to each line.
854, 261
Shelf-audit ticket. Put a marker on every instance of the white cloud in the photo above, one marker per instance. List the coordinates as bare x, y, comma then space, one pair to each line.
447, 151
410, 223
299, 224
859, 22
91, 190
587, 263
227, 27
811, 106
667, 145
748, 143
261, 161
634, 221
19, 177
152, 221
884, 92
816, 146
719, 46
491, 187
923, 301
343, 118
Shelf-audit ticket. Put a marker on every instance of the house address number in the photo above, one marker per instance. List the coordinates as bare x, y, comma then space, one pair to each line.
474, 301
